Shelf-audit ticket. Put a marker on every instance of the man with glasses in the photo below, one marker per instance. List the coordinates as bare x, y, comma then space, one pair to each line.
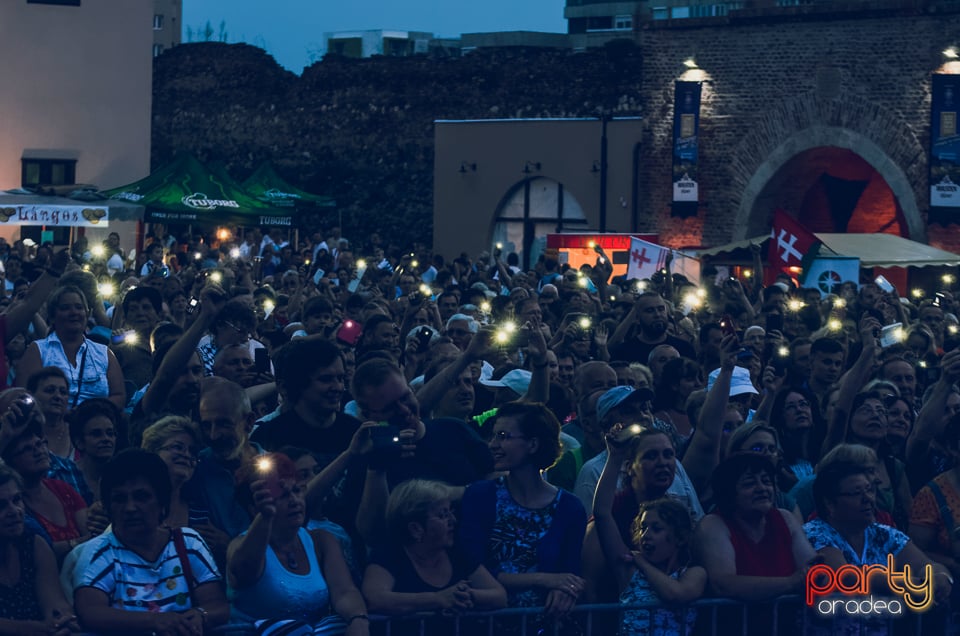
235, 324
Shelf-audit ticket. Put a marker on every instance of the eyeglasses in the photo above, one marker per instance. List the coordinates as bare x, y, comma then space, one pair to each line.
796, 406
230, 325
179, 449
869, 491
866, 409
503, 436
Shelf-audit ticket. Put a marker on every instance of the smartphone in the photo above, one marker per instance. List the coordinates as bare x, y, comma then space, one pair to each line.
26, 403
883, 283
357, 277
192, 305
891, 335
423, 336
779, 364
349, 332
385, 438
318, 276
727, 326
261, 361
774, 322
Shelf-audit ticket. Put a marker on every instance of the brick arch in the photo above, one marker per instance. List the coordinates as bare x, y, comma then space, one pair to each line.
880, 137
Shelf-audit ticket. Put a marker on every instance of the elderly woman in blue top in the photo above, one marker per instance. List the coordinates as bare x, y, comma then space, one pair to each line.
92, 369
846, 532
140, 576
527, 532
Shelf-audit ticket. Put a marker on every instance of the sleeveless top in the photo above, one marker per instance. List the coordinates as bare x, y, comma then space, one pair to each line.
771, 556
279, 593
94, 369
19, 602
645, 622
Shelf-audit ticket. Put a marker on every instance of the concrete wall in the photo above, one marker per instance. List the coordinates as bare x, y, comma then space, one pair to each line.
79, 80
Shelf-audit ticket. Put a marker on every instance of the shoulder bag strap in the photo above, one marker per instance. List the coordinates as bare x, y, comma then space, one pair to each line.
181, 548
83, 365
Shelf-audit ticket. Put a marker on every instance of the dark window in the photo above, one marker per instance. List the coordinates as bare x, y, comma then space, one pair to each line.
66, 3
48, 172
157, 22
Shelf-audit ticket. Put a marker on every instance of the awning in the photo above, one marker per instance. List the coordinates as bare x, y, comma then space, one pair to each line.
887, 250
730, 247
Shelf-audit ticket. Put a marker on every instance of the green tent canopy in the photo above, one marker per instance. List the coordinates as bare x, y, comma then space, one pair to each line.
267, 186
186, 191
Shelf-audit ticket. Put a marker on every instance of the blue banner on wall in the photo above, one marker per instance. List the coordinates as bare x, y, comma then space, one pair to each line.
944, 149
686, 126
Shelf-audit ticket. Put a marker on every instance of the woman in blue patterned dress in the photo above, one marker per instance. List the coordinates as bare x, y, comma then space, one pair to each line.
846, 532
654, 569
527, 532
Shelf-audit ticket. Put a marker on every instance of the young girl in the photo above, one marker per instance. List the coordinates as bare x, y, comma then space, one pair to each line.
656, 570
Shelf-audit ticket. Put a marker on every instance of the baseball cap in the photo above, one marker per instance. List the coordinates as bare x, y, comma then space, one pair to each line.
517, 381
618, 395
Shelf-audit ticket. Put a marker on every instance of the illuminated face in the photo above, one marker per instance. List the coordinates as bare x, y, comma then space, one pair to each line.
869, 421
654, 465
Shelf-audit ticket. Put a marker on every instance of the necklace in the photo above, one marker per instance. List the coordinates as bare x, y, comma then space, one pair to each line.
290, 554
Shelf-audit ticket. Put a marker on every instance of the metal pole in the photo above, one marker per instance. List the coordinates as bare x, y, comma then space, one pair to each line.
604, 118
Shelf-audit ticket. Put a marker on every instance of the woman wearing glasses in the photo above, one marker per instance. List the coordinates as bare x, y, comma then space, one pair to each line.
527, 532
177, 441
868, 426
846, 532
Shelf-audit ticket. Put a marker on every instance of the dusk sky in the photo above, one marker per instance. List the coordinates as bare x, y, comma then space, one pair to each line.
291, 30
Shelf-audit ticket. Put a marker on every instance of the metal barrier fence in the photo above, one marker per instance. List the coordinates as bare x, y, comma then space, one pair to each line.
785, 616
714, 617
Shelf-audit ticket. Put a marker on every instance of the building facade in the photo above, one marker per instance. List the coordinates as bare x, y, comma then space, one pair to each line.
167, 24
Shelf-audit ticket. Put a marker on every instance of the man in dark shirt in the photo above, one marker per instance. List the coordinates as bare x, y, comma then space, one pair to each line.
649, 316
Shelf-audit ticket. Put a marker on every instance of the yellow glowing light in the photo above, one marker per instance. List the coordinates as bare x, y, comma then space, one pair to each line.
592, 244
950, 53
690, 63
502, 337
635, 429
793, 269
840, 302
235, 252
414, 263
747, 273
362, 264
899, 334
223, 234
641, 285
97, 251
952, 329
264, 464
783, 351
425, 290
306, 261
509, 327
922, 364
948, 278
834, 325
917, 293
86, 267
499, 246
131, 337
692, 300
268, 304
216, 277
485, 307
584, 281
701, 292
197, 256
585, 323
795, 305
106, 289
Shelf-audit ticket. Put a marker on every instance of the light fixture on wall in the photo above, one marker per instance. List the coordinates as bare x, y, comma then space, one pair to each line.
690, 63
950, 53
531, 166
467, 166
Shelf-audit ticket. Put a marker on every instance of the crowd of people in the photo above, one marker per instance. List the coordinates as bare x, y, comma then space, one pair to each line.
231, 431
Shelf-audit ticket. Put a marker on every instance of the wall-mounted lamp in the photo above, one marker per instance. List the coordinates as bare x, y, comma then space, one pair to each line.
690, 63
467, 166
531, 166
595, 168
950, 53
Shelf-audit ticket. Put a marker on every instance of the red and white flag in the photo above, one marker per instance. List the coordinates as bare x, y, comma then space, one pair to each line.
646, 258
789, 242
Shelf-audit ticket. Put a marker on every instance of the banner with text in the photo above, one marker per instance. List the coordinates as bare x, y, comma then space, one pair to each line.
55, 216
944, 149
686, 126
